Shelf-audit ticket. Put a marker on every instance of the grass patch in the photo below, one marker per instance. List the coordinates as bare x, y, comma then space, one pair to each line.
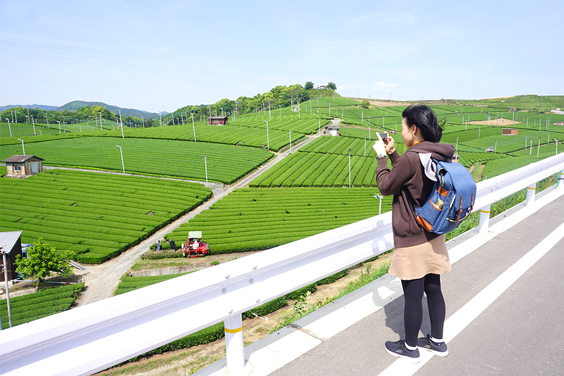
300, 306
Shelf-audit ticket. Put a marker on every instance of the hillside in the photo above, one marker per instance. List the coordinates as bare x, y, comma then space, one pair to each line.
75, 105
43, 107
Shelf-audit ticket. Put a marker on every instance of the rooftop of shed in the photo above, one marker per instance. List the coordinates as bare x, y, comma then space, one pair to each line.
20, 158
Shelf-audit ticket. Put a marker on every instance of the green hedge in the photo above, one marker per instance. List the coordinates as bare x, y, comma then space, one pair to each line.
44, 303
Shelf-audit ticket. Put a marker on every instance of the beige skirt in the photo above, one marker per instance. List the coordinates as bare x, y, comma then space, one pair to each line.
419, 260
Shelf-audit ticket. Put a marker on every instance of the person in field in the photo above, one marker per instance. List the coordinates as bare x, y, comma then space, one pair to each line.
419, 257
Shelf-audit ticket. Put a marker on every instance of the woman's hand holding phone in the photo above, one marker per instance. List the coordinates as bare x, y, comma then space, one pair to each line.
389, 142
384, 145
379, 147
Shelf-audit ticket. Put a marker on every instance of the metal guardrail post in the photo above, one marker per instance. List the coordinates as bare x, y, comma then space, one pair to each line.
235, 353
531, 189
484, 219
560, 177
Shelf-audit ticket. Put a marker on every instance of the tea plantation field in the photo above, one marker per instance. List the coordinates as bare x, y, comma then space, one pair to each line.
23, 129
254, 219
96, 215
304, 126
229, 134
101, 215
320, 170
225, 163
41, 304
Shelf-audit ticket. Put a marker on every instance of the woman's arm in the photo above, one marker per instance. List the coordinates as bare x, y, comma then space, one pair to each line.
394, 157
391, 182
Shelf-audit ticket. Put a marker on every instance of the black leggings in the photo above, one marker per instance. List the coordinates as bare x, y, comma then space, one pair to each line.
413, 311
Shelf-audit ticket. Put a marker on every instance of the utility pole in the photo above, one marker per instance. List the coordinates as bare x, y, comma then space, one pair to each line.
9, 127
206, 165
23, 146
121, 153
121, 125
193, 126
290, 134
267, 138
349, 167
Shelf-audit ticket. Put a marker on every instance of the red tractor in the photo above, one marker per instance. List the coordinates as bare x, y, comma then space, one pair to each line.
194, 246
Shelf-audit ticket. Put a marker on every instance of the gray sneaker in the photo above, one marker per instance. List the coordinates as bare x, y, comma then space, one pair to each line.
398, 349
439, 349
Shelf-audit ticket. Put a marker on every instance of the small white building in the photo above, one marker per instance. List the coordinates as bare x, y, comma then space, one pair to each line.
332, 130
22, 166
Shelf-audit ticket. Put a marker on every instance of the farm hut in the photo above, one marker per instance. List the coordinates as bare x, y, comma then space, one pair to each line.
11, 245
22, 166
217, 120
510, 132
332, 130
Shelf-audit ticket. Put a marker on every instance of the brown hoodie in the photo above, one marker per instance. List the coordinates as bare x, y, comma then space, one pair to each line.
408, 171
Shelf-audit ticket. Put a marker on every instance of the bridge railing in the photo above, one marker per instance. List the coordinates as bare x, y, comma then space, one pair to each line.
94, 337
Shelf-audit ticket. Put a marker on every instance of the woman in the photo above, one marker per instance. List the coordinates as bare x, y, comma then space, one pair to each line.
419, 257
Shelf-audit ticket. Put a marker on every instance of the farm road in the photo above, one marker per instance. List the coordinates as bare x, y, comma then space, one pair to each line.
102, 280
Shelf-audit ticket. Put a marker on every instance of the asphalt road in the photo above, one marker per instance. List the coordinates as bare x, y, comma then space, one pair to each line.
520, 331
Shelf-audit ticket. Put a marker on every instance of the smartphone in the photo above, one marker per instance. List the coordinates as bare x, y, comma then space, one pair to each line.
384, 137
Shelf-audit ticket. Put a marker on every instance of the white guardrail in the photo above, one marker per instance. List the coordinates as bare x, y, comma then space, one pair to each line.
94, 337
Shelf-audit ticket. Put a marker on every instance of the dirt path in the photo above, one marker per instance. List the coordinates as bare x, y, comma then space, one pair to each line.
102, 280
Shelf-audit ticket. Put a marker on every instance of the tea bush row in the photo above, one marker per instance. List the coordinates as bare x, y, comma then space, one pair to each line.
44, 303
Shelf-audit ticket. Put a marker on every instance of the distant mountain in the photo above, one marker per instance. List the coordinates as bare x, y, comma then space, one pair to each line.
43, 107
75, 105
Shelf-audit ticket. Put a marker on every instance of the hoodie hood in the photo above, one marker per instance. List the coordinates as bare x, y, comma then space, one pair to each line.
440, 152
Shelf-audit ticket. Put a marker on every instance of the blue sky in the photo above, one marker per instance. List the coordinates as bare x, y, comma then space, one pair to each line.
162, 55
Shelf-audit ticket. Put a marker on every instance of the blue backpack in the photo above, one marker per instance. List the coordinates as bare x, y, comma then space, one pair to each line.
451, 200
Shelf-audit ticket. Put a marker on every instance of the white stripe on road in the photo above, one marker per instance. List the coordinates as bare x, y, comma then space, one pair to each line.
465, 315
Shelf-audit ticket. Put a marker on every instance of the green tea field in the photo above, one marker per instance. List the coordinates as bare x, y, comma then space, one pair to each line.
225, 163
254, 219
96, 215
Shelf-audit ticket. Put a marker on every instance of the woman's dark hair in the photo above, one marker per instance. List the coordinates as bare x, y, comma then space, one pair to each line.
426, 121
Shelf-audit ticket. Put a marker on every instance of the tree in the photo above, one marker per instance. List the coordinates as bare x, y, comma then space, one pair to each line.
365, 103
308, 85
331, 85
43, 260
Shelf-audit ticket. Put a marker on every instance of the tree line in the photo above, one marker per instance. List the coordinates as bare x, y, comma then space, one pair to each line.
279, 96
